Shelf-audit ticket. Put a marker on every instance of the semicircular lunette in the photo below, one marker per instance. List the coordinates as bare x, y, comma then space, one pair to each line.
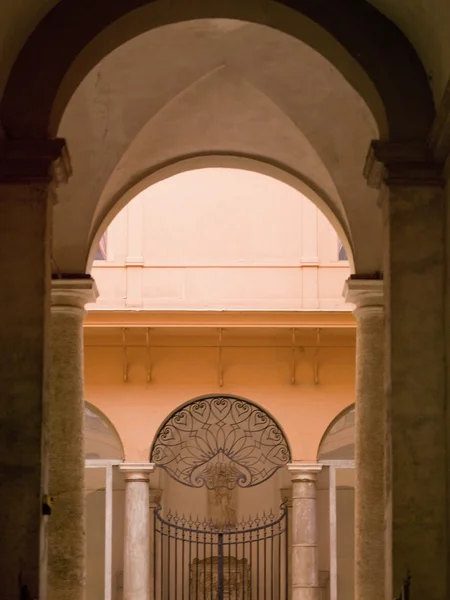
216, 435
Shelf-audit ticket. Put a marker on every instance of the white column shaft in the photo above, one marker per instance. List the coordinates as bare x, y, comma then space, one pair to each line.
305, 569
136, 585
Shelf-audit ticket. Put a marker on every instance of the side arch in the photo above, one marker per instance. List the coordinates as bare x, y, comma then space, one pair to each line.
249, 163
368, 49
101, 437
338, 441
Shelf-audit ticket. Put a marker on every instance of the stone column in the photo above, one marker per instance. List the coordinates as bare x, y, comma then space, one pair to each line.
367, 295
28, 171
305, 568
66, 548
136, 563
415, 271
155, 500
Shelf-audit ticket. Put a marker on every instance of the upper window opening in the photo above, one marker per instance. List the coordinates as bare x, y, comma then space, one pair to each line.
342, 254
102, 248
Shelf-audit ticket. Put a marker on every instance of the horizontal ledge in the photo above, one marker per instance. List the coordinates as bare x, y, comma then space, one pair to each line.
301, 319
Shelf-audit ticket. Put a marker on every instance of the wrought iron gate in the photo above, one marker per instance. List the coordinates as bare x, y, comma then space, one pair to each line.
200, 561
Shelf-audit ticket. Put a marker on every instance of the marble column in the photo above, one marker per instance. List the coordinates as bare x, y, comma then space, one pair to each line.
136, 563
28, 173
415, 272
367, 296
305, 567
66, 548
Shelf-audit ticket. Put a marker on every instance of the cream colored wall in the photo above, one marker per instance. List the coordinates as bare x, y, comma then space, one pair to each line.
221, 238
185, 364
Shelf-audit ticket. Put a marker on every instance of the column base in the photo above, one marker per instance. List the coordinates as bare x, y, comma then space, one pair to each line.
306, 593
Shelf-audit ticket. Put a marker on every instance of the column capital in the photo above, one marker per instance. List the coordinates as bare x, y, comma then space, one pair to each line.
402, 164
71, 293
366, 294
302, 471
137, 471
34, 161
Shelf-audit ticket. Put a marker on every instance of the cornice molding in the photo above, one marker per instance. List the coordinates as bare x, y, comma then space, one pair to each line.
341, 319
34, 161
402, 164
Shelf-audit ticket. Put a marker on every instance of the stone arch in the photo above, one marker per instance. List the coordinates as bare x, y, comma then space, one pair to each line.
220, 429
368, 49
338, 440
248, 163
102, 439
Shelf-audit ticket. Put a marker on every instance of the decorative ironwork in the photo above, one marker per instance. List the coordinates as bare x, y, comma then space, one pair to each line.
196, 559
220, 442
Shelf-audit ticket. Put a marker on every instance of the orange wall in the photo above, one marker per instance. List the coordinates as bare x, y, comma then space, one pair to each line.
183, 368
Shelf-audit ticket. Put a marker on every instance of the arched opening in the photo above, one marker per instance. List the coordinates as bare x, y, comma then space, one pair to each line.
338, 442
220, 163
221, 238
336, 493
220, 524
104, 491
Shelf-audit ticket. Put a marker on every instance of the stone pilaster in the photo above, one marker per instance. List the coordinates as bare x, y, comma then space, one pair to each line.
27, 170
367, 296
305, 568
416, 503
66, 548
136, 565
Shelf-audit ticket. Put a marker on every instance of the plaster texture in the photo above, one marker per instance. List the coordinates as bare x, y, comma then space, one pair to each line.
67, 552
24, 304
416, 500
367, 295
137, 526
305, 566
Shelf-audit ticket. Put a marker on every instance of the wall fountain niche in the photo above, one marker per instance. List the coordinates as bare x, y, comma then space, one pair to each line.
223, 531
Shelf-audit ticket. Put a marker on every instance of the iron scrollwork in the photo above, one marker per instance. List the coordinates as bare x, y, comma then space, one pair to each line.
220, 433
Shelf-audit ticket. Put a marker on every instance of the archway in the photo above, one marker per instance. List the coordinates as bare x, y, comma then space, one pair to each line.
225, 446
245, 163
104, 492
337, 487
354, 43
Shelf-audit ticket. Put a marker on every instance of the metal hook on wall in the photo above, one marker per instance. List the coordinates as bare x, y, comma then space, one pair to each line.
149, 358
220, 363
125, 354
316, 358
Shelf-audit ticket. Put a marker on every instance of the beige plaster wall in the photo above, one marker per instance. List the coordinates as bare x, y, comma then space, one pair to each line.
220, 238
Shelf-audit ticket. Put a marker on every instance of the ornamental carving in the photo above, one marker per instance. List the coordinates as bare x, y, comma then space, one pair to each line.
220, 441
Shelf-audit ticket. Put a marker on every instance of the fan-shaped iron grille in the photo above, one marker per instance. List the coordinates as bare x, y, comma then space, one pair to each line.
220, 431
